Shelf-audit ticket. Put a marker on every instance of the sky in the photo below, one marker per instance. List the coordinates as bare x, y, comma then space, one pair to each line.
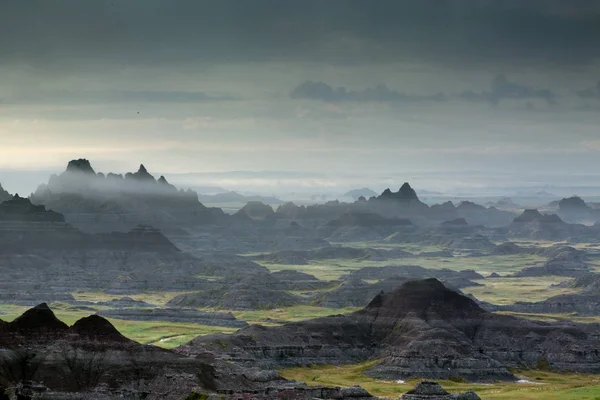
267, 95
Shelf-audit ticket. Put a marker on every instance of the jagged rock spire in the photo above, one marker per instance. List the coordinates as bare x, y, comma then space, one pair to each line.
142, 174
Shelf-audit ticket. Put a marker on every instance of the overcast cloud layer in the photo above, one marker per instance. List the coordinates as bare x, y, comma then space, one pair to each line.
343, 88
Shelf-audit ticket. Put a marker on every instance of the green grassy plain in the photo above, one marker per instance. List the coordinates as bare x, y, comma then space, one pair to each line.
160, 333
485, 265
508, 290
289, 314
172, 334
544, 386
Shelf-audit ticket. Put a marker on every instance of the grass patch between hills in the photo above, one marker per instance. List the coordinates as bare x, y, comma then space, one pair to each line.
543, 386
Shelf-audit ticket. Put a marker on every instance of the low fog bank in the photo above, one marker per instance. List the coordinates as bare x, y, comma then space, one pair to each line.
432, 187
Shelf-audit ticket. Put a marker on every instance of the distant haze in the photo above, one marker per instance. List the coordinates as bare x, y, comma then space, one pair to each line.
311, 96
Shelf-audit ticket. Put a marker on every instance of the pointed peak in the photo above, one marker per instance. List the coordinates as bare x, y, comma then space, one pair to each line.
163, 180
40, 317
142, 174
42, 306
97, 328
406, 191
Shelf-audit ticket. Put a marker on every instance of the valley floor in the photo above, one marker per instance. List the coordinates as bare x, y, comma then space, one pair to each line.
539, 385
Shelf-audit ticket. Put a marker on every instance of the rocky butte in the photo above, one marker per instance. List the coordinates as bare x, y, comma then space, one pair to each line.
422, 329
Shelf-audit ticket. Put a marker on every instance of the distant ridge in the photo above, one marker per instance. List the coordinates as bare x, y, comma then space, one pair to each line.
358, 193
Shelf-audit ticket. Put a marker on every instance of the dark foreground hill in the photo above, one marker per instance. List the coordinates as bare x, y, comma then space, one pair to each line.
91, 354
421, 329
91, 360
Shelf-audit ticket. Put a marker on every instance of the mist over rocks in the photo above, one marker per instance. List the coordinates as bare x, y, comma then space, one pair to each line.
401, 205
575, 210
95, 202
80, 177
37, 247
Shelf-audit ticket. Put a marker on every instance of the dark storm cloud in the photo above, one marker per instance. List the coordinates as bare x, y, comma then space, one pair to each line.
591, 93
42, 32
113, 96
381, 93
502, 88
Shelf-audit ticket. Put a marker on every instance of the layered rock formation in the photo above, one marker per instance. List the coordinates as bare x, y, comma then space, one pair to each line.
92, 360
574, 209
91, 353
564, 261
421, 329
246, 294
38, 247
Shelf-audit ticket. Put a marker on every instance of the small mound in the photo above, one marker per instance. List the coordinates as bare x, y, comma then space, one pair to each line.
293, 275
508, 248
256, 210
456, 222
428, 389
98, 329
434, 391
